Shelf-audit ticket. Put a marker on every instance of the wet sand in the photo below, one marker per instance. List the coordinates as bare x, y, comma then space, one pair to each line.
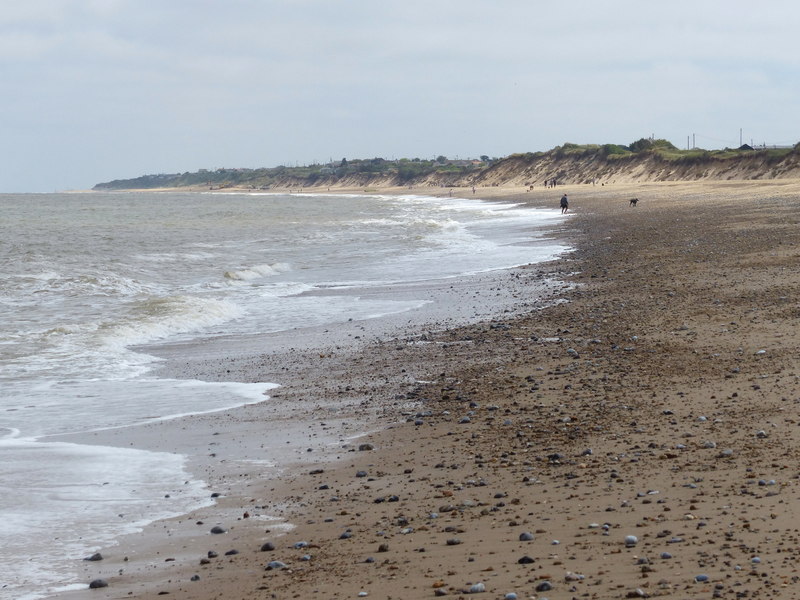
652, 394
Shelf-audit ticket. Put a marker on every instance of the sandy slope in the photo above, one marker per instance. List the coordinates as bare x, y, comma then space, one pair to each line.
660, 401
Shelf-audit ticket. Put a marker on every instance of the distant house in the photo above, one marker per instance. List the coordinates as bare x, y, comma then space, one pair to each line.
746, 147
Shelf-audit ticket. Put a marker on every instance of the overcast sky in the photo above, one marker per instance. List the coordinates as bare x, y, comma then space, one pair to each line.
94, 90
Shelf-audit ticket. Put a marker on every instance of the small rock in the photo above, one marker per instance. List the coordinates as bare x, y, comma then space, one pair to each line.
526, 560
544, 586
275, 564
525, 536
97, 584
267, 547
94, 557
361, 473
217, 530
701, 578
453, 542
365, 447
195, 578
631, 541
477, 588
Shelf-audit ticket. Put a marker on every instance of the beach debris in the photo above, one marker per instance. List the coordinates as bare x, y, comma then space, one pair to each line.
97, 584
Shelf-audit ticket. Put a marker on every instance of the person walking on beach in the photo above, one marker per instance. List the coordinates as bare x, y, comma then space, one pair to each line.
564, 204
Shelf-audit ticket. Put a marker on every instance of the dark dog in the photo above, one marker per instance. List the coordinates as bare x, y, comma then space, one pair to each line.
633, 201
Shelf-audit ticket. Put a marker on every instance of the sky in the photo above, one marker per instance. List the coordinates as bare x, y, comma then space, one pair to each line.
96, 90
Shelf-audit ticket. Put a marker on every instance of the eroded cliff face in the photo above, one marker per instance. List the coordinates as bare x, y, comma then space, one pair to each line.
519, 170
525, 170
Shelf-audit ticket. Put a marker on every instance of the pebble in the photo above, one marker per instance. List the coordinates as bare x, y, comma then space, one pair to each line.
453, 542
365, 447
631, 541
666, 555
217, 530
97, 584
267, 546
510, 596
544, 586
94, 557
701, 578
526, 536
275, 564
526, 560
195, 578
477, 588
346, 535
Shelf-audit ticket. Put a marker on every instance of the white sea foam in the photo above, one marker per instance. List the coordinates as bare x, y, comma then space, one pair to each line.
257, 272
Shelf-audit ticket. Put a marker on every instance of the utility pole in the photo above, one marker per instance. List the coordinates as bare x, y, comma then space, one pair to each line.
740, 137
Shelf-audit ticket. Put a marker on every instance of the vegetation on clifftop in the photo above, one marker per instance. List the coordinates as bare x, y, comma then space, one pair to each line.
650, 160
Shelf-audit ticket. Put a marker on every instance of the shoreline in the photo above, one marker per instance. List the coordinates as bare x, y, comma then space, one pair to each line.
546, 423
293, 358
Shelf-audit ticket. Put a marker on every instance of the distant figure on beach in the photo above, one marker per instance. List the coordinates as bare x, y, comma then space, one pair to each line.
633, 201
564, 204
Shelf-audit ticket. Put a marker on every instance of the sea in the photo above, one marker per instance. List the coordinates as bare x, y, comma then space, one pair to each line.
89, 279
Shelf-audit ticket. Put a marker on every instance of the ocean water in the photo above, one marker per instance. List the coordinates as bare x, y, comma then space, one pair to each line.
86, 278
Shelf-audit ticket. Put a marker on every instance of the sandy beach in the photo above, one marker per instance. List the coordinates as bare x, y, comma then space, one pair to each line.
619, 423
